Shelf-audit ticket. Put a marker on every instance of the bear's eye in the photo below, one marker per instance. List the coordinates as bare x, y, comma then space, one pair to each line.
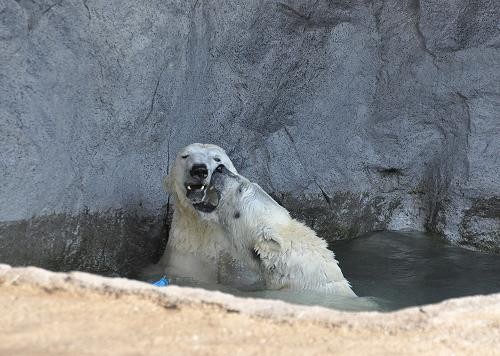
185, 156
216, 159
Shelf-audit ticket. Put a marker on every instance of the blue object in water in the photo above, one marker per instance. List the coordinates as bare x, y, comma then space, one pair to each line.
163, 282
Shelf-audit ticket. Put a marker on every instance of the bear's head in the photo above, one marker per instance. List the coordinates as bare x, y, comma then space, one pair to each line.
190, 176
242, 203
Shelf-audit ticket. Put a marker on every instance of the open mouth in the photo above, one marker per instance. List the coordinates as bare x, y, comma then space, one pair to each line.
205, 207
203, 197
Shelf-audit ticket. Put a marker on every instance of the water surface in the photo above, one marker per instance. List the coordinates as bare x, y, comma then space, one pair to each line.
393, 270
407, 269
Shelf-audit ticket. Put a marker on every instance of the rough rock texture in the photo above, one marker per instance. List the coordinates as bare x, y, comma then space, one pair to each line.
66, 314
356, 115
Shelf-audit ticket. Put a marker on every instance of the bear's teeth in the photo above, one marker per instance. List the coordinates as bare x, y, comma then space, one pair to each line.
189, 187
202, 187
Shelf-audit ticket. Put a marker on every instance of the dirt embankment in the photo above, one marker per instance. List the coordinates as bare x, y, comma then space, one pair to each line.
44, 313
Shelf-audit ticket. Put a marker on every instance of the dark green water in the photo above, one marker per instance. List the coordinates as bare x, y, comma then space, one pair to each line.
407, 269
393, 270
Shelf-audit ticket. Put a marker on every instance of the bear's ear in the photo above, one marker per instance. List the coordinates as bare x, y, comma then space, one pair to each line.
167, 184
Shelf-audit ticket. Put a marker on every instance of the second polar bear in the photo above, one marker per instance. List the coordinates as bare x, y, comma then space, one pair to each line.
288, 254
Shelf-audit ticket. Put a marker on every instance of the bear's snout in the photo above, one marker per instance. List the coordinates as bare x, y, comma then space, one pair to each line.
222, 169
199, 170
219, 176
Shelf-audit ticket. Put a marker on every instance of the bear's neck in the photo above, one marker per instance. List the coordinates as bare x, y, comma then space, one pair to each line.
191, 234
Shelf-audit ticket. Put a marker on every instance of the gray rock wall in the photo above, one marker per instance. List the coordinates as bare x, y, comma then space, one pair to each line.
356, 115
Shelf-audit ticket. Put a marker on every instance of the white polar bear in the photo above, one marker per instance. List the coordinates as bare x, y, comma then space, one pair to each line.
288, 254
198, 247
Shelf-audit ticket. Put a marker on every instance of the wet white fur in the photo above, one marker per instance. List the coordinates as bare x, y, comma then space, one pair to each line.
291, 255
200, 244
195, 240
198, 247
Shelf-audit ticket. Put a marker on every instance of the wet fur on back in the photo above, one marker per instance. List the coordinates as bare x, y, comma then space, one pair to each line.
288, 253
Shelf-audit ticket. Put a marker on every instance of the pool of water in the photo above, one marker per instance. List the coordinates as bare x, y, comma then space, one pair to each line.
407, 269
393, 270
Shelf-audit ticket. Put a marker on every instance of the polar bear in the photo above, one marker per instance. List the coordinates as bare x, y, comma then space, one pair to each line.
198, 247
288, 254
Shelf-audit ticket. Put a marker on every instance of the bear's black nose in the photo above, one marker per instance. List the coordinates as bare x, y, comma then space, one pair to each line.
199, 171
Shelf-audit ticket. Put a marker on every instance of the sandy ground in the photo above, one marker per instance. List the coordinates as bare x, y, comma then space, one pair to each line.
90, 315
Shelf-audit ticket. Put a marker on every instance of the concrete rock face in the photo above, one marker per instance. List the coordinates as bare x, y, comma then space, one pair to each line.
355, 115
